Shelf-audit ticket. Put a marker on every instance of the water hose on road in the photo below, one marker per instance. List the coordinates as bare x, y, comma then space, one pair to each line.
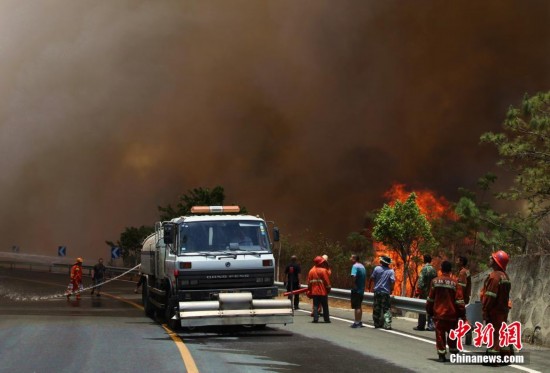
22, 298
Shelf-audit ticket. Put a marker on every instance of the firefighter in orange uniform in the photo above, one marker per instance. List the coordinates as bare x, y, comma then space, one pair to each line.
495, 299
464, 278
76, 277
318, 283
446, 305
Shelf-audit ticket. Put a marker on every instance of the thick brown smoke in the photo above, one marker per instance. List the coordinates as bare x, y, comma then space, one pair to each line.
303, 111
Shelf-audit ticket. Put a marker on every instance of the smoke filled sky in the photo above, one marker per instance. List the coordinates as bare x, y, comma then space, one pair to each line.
304, 111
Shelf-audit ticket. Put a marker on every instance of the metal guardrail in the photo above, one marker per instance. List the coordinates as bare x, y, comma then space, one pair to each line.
398, 302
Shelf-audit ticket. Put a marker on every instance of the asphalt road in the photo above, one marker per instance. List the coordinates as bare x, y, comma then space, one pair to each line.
40, 331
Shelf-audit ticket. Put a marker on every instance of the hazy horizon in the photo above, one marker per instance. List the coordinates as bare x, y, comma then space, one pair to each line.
305, 112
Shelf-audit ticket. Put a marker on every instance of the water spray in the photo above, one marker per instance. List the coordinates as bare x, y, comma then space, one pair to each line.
20, 298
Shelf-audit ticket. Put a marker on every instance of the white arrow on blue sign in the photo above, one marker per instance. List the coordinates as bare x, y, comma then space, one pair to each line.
62, 250
115, 252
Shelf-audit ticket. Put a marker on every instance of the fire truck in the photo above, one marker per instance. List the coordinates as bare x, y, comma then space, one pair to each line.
213, 267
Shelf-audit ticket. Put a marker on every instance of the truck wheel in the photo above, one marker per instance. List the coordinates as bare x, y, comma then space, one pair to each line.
147, 305
169, 313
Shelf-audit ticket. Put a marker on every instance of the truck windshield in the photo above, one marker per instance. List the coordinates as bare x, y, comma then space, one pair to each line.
221, 236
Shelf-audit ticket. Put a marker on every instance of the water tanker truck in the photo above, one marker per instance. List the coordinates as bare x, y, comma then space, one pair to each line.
213, 267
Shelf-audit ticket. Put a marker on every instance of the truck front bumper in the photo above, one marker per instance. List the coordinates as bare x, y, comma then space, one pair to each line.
235, 309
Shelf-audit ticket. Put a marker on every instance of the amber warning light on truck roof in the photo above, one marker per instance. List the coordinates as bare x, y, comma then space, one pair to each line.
214, 209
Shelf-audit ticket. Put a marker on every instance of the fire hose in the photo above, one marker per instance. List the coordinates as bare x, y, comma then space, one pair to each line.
81, 290
294, 292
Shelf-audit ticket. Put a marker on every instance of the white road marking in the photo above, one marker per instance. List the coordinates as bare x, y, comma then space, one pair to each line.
519, 367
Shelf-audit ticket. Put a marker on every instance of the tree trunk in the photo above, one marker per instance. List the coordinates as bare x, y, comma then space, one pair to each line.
405, 276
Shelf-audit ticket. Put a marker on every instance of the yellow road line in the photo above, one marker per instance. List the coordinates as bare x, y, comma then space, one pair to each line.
184, 352
138, 306
188, 360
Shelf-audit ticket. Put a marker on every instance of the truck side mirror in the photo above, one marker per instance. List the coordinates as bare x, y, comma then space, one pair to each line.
276, 234
169, 233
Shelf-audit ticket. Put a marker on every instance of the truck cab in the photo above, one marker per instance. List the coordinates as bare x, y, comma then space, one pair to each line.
201, 269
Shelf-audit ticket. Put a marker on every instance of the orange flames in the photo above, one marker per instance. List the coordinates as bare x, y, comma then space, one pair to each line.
432, 207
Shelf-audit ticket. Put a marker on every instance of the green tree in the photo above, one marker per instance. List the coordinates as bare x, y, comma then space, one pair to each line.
359, 244
488, 229
524, 148
404, 229
306, 249
130, 243
194, 197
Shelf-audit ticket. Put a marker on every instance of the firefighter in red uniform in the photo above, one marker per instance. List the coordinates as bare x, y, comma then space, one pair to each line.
495, 299
318, 283
446, 305
76, 278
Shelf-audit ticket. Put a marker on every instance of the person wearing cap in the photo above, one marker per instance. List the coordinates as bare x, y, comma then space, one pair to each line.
427, 274
318, 284
292, 272
496, 299
326, 265
76, 278
384, 280
445, 305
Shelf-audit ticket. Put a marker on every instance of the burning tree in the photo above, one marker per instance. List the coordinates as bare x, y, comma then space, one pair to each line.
404, 229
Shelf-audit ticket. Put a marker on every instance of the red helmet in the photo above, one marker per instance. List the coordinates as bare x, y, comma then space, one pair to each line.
318, 260
501, 259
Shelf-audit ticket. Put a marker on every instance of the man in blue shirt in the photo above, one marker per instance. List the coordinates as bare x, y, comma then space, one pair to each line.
358, 275
384, 280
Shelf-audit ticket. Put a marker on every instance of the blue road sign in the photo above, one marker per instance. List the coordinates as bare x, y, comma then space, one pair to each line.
62, 250
115, 252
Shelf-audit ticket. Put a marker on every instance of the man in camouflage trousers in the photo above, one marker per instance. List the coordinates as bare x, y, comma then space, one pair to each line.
427, 274
384, 280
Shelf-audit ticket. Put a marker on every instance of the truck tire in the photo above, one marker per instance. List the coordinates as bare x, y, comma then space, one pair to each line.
147, 305
169, 312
